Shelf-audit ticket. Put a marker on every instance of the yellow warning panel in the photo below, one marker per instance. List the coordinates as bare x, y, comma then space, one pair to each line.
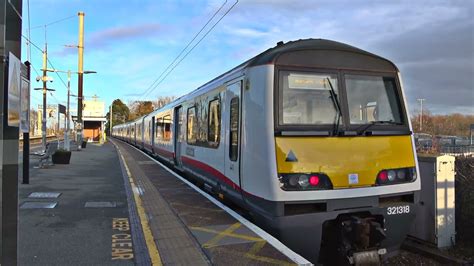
344, 158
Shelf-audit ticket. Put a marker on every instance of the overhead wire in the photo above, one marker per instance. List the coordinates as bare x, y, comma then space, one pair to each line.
59, 76
34, 45
56, 99
51, 23
36, 71
213, 26
184, 49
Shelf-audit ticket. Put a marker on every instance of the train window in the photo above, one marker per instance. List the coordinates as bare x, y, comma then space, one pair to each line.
202, 121
372, 98
305, 98
167, 127
159, 128
192, 125
234, 129
214, 125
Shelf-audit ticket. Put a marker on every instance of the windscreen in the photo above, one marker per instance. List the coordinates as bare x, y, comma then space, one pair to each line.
372, 98
305, 98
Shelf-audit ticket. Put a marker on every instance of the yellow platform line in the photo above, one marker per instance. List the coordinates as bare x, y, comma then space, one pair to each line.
213, 242
149, 240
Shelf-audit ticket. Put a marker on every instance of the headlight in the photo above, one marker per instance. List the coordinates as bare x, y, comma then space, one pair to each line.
310, 181
303, 181
391, 175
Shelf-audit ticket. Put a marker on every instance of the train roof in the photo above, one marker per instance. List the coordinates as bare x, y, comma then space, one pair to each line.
271, 55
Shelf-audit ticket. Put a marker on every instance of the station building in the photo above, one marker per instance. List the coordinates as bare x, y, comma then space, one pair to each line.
93, 116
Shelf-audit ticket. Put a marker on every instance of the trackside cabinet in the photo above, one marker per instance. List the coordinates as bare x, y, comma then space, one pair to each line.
435, 221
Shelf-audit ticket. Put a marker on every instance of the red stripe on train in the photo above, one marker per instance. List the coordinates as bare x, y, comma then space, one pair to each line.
214, 172
210, 170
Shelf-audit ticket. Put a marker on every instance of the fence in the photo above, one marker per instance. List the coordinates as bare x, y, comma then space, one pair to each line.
464, 183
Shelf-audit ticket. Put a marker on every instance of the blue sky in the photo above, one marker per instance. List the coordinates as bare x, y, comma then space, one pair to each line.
130, 43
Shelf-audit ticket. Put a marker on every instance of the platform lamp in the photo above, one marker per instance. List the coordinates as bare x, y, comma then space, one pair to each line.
43, 119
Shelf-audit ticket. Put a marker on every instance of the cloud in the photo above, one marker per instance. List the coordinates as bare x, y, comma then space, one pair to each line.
432, 42
105, 37
249, 33
437, 63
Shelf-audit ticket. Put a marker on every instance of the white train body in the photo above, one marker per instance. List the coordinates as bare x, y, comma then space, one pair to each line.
228, 135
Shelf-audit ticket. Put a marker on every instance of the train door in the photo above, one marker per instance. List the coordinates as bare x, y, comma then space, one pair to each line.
232, 120
178, 122
152, 134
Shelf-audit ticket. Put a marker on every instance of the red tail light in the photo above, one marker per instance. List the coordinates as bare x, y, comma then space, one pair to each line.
383, 176
314, 180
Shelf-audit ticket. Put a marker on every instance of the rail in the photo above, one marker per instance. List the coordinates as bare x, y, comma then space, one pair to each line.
38, 139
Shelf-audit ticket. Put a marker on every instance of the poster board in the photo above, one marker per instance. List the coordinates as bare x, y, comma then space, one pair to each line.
14, 71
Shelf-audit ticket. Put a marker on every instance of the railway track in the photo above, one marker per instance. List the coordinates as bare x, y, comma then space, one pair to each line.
408, 255
38, 139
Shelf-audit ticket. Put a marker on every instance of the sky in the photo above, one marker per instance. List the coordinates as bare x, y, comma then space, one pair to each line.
131, 43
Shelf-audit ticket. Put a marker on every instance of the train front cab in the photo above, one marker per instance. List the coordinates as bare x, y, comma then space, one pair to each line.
345, 171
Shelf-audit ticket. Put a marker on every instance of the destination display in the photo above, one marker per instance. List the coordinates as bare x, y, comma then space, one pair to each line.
308, 82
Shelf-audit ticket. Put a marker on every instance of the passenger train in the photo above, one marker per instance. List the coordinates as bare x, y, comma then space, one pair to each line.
312, 137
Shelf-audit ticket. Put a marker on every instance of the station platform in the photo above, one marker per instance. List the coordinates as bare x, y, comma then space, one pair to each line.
67, 212
115, 205
190, 228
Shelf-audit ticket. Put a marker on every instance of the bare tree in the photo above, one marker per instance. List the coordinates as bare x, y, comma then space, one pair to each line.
162, 101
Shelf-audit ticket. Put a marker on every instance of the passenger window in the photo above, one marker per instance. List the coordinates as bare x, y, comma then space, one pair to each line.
234, 129
149, 131
192, 125
167, 128
159, 128
214, 125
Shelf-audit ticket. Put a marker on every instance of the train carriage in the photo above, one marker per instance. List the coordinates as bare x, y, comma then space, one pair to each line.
312, 137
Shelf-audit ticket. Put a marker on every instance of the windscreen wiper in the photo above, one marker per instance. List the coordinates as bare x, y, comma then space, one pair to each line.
337, 106
364, 128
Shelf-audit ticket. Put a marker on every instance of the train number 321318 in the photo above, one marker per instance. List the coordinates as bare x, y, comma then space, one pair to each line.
398, 210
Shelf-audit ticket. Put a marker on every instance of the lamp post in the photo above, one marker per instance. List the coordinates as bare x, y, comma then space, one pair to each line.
421, 113
43, 120
68, 114
80, 78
